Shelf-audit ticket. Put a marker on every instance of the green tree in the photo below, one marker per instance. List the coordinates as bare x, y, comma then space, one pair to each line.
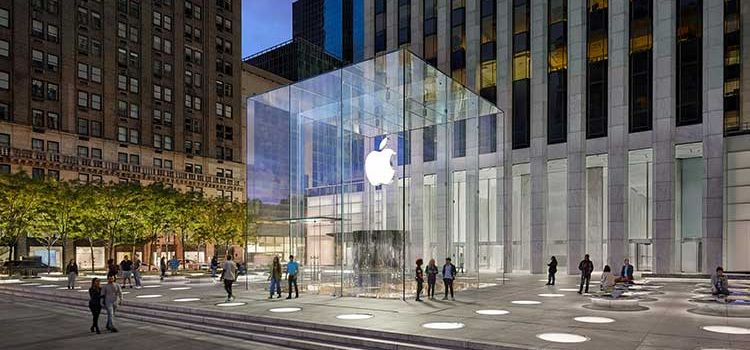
62, 211
117, 205
20, 204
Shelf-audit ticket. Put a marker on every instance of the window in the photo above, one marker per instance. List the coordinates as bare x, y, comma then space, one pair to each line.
122, 108
96, 74
96, 20
122, 30
52, 62
83, 99
37, 173
134, 85
133, 34
404, 22
458, 40
134, 136
37, 59
157, 141
168, 143
487, 134
37, 28
96, 153
4, 48
83, 71
5, 140
733, 120
96, 102
53, 147
596, 68
380, 25
96, 128
557, 97
167, 164
122, 82
4, 112
96, 48
83, 151
5, 81
52, 33
521, 71
135, 159
53, 92
689, 62
37, 145
83, 16
157, 92
53, 120
4, 18
641, 42
135, 112
122, 157
37, 118
122, 134
459, 138
53, 174
157, 162
83, 126
157, 19
37, 88
487, 52
429, 143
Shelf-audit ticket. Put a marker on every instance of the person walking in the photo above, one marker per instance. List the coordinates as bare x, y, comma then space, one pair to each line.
586, 267
112, 297
552, 270
214, 266
292, 268
95, 304
229, 275
420, 278
126, 266
112, 268
137, 272
162, 268
432, 271
72, 271
174, 264
275, 278
449, 274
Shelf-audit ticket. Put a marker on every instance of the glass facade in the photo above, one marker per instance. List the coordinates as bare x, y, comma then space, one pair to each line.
331, 170
404, 22
430, 32
521, 108
733, 120
458, 40
641, 43
689, 58
597, 55
380, 26
487, 51
557, 67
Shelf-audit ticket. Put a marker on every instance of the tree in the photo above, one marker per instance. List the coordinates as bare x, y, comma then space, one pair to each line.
158, 210
186, 209
90, 227
20, 204
62, 208
117, 205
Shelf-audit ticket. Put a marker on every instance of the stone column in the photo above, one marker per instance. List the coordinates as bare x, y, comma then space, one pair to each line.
576, 196
369, 23
538, 149
618, 132
443, 225
664, 81
444, 35
594, 206
504, 145
713, 128
472, 193
417, 29
472, 45
391, 24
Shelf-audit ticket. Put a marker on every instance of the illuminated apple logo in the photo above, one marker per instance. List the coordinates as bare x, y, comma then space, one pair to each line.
378, 168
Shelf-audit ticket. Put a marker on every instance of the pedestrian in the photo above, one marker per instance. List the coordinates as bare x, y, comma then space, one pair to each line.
214, 266
137, 272
126, 266
292, 268
229, 275
112, 269
552, 270
162, 268
449, 274
95, 304
626, 273
586, 266
275, 278
420, 278
173, 265
432, 272
72, 271
112, 297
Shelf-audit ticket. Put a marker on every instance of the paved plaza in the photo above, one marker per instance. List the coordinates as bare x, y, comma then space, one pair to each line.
526, 307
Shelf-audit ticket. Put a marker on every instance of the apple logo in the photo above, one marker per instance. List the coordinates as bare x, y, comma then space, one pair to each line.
378, 168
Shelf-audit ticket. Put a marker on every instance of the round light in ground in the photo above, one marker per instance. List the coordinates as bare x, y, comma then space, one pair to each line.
148, 296
125, 293
180, 288
594, 319
551, 295
30, 284
48, 286
285, 309
185, 300
152, 286
354, 316
10, 281
61, 288
727, 330
444, 325
526, 302
490, 312
230, 304
562, 337
82, 290
568, 289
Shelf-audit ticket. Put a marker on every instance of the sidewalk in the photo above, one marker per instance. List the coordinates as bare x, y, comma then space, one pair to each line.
665, 325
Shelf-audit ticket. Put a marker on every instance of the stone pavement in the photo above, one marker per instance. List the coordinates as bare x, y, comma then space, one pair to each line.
666, 324
27, 324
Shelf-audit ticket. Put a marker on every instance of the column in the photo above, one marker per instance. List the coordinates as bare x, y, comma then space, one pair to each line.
663, 134
391, 24
504, 145
444, 35
443, 188
369, 23
538, 150
713, 128
471, 160
576, 133
594, 206
472, 46
618, 132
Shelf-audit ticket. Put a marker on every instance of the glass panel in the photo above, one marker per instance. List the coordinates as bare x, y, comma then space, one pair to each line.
521, 220
597, 228
640, 206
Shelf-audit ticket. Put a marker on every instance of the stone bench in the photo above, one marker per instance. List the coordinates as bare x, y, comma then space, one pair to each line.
731, 306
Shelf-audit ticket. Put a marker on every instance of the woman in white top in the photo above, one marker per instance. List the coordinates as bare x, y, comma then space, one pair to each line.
608, 279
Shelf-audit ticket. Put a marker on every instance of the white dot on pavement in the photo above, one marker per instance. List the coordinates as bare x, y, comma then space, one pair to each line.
230, 304
526, 302
180, 288
594, 319
148, 296
285, 309
184, 300
443, 325
562, 337
354, 316
490, 312
568, 289
551, 295
727, 330
153, 286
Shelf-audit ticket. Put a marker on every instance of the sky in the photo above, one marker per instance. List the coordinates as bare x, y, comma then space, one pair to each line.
265, 23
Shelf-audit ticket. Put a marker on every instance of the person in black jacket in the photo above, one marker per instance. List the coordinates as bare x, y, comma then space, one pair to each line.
552, 271
95, 304
626, 273
72, 272
449, 274
586, 266
420, 278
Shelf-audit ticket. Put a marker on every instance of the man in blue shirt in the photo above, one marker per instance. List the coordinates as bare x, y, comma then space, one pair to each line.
292, 268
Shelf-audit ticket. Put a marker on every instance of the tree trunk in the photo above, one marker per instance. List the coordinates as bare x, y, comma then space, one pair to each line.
49, 253
91, 245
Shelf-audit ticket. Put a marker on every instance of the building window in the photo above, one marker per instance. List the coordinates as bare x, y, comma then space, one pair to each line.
53, 92
52, 62
4, 48
557, 106
5, 140
689, 58
53, 147
37, 118
53, 120
404, 22
5, 81
96, 74
487, 51
96, 102
83, 126
122, 134
168, 145
37, 59
37, 88
37, 145
458, 40
521, 75
122, 157
733, 119
83, 151
37, 173
4, 18
96, 153
380, 26
135, 111
4, 112
83, 99
430, 32
641, 43
96, 128
429, 143
487, 134
596, 68
459, 138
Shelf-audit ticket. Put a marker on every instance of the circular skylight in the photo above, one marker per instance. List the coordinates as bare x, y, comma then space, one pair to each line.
562, 337
230, 304
30, 284
148, 296
152, 286
526, 302
727, 330
551, 295
285, 309
185, 300
354, 316
568, 289
491, 312
444, 325
48, 286
594, 319
180, 288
